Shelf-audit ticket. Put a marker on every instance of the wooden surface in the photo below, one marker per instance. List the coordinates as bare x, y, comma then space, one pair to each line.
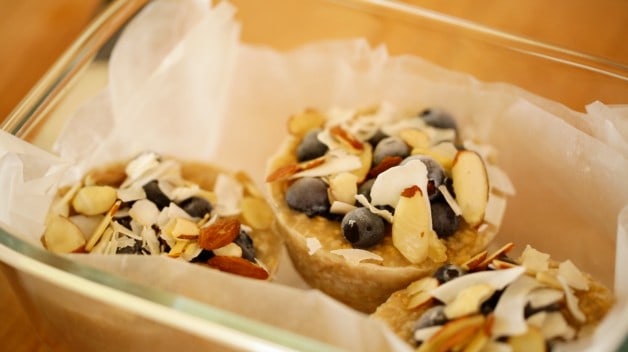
34, 33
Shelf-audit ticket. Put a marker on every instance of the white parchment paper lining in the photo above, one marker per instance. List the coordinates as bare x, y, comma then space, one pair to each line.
182, 84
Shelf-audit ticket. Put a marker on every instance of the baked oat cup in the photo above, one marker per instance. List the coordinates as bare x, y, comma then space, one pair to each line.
495, 303
370, 200
151, 205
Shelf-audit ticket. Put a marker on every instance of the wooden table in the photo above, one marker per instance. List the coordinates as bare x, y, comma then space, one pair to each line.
34, 33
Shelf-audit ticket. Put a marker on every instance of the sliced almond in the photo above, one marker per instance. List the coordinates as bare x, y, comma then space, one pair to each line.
180, 228
346, 139
178, 249
415, 138
385, 164
343, 187
454, 334
475, 261
411, 225
534, 261
366, 159
93, 239
419, 292
256, 213
62, 236
503, 250
219, 234
300, 124
238, 266
468, 300
93, 200
470, 183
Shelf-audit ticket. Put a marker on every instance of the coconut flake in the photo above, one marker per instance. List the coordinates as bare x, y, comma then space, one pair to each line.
141, 164
175, 211
572, 301
496, 278
499, 180
537, 319
229, 193
468, 300
336, 161
130, 194
572, 275
313, 245
338, 207
495, 209
152, 243
355, 256
449, 198
385, 214
425, 334
533, 260
144, 212
544, 296
389, 184
118, 228
509, 312
555, 326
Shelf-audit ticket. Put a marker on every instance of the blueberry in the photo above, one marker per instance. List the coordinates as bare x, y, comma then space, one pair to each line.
196, 206
362, 228
203, 257
246, 243
377, 137
435, 173
155, 195
308, 195
444, 221
431, 317
310, 147
448, 272
365, 188
438, 118
390, 146
489, 305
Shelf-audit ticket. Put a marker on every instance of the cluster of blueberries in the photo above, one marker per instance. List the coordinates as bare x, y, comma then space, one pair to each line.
361, 227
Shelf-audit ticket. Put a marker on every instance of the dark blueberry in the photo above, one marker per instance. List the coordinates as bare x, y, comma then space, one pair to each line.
308, 195
390, 146
310, 147
377, 137
246, 243
435, 174
529, 311
134, 249
489, 305
365, 188
444, 221
155, 195
431, 317
203, 257
124, 221
448, 272
362, 228
196, 206
438, 118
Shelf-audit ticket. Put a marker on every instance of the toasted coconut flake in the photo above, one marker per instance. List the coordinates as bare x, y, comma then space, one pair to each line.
426, 333
141, 164
498, 279
385, 214
152, 243
533, 260
572, 301
499, 180
355, 256
495, 209
335, 162
544, 296
313, 245
340, 207
300, 124
229, 193
144, 212
451, 201
572, 275
548, 278
468, 300
389, 184
131, 193
509, 312
230, 250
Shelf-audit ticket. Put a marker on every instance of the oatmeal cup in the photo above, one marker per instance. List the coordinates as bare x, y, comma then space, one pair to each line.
153, 205
370, 200
493, 302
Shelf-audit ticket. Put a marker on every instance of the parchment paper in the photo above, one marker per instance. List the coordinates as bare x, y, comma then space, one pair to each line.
182, 84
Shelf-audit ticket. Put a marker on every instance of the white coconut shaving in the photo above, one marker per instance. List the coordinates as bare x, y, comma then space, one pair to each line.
144, 212
385, 214
389, 185
338, 207
355, 256
499, 180
533, 260
336, 161
450, 200
313, 245
495, 209
229, 193
509, 312
572, 275
498, 279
